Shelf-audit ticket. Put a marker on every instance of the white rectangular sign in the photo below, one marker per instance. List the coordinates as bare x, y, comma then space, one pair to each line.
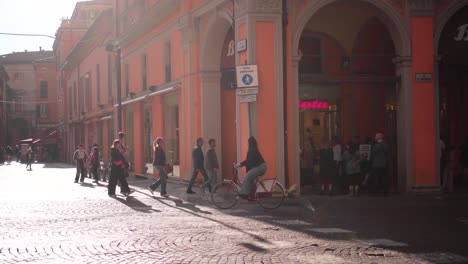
246, 91
247, 76
248, 98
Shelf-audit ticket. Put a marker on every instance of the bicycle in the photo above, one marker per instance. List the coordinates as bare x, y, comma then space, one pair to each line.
268, 193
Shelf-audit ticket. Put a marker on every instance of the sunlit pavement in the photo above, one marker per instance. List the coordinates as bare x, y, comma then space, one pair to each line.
46, 218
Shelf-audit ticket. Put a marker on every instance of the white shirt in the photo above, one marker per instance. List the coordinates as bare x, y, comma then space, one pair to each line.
337, 156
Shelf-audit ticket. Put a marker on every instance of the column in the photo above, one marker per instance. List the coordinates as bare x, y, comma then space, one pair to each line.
260, 22
423, 94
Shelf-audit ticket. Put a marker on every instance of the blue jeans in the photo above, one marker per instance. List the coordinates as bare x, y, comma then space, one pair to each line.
161, 181
249, 179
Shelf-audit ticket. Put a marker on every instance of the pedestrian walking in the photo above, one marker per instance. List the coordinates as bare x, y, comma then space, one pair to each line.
94, 159
29, 158
338, 164
159, 163
379, 164
80, 158
352, 168
123, 150
327, 168
9, 153
255, 166
117, 171
453, 169
198, 165
211, 165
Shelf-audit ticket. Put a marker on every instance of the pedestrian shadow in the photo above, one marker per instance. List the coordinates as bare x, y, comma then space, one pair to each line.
137, 205
180, 203
184, 209
253, 247
88, 185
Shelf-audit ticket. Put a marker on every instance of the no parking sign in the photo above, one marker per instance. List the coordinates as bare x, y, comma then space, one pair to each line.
247, 76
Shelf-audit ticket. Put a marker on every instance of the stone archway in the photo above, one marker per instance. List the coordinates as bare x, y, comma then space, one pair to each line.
443, 18
215, 29
400, 34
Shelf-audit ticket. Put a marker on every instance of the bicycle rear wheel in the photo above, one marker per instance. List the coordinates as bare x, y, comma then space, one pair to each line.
270, 194
224, 195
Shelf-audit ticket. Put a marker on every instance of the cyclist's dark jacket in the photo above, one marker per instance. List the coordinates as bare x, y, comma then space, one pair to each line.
254, 159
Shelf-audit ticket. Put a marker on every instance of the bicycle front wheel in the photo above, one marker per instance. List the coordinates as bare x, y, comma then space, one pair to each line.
270, 199
224, 195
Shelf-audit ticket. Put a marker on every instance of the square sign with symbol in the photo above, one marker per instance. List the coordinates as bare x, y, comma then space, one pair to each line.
247, 76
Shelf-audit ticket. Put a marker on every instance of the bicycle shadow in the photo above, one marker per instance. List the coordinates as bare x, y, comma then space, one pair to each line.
186, 210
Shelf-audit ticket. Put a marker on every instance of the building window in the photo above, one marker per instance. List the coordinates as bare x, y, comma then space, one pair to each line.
18, 76
312, 58
88, 90
127, 79
75, 98
167, 62
70, 102
98, 84
109, 77
43, 110
144, 80
44, 89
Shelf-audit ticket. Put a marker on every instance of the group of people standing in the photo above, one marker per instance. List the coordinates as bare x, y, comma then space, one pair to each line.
119, 165
354, 166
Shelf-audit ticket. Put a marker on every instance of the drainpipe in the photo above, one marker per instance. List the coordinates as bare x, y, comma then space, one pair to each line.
285, 92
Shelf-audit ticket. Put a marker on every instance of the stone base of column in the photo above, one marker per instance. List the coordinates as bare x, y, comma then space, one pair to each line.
426, 189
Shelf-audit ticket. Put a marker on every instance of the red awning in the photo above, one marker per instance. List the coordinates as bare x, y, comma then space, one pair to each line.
49, 139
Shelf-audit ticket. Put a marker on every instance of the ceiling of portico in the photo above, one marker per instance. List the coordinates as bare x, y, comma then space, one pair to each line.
342, 20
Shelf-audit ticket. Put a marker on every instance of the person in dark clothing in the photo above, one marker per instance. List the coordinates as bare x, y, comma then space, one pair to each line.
327, 169
80, 156
255, 166
198, 165
94, 157
211, 164
9, 153
379, 164
159, 162
29, 158
117, 171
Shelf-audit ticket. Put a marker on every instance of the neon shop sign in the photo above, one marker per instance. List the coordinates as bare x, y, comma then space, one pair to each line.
315, 104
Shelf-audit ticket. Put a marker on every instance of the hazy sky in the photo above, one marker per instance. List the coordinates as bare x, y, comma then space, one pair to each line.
31, 17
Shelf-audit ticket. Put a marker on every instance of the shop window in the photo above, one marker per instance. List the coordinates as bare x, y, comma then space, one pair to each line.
44, 89
98, 84
43, 111
109, 78
167, 62
127, 79
312, 58
148, 135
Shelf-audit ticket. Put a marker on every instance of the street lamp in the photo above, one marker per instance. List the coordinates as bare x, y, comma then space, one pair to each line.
114, 47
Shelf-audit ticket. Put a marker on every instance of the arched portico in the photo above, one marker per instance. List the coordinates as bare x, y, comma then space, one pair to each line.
217, 121
400, 34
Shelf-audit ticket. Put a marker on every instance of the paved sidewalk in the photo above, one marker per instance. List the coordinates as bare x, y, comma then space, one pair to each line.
46, 218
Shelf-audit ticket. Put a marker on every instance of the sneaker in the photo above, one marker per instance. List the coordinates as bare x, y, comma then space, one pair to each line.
112, 196
151, 190
191, 192
130, 191
165, 195
76, 181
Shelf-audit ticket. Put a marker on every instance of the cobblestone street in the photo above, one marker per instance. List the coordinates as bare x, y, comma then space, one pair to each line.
46, 218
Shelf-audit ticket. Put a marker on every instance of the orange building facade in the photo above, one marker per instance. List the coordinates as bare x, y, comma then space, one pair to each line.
328, 68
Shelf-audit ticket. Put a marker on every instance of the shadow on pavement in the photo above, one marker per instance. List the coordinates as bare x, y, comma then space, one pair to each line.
57, 165
184, 209
137, 205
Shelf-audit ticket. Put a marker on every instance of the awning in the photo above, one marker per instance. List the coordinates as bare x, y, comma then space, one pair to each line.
27, 140
49, 139
142, 97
